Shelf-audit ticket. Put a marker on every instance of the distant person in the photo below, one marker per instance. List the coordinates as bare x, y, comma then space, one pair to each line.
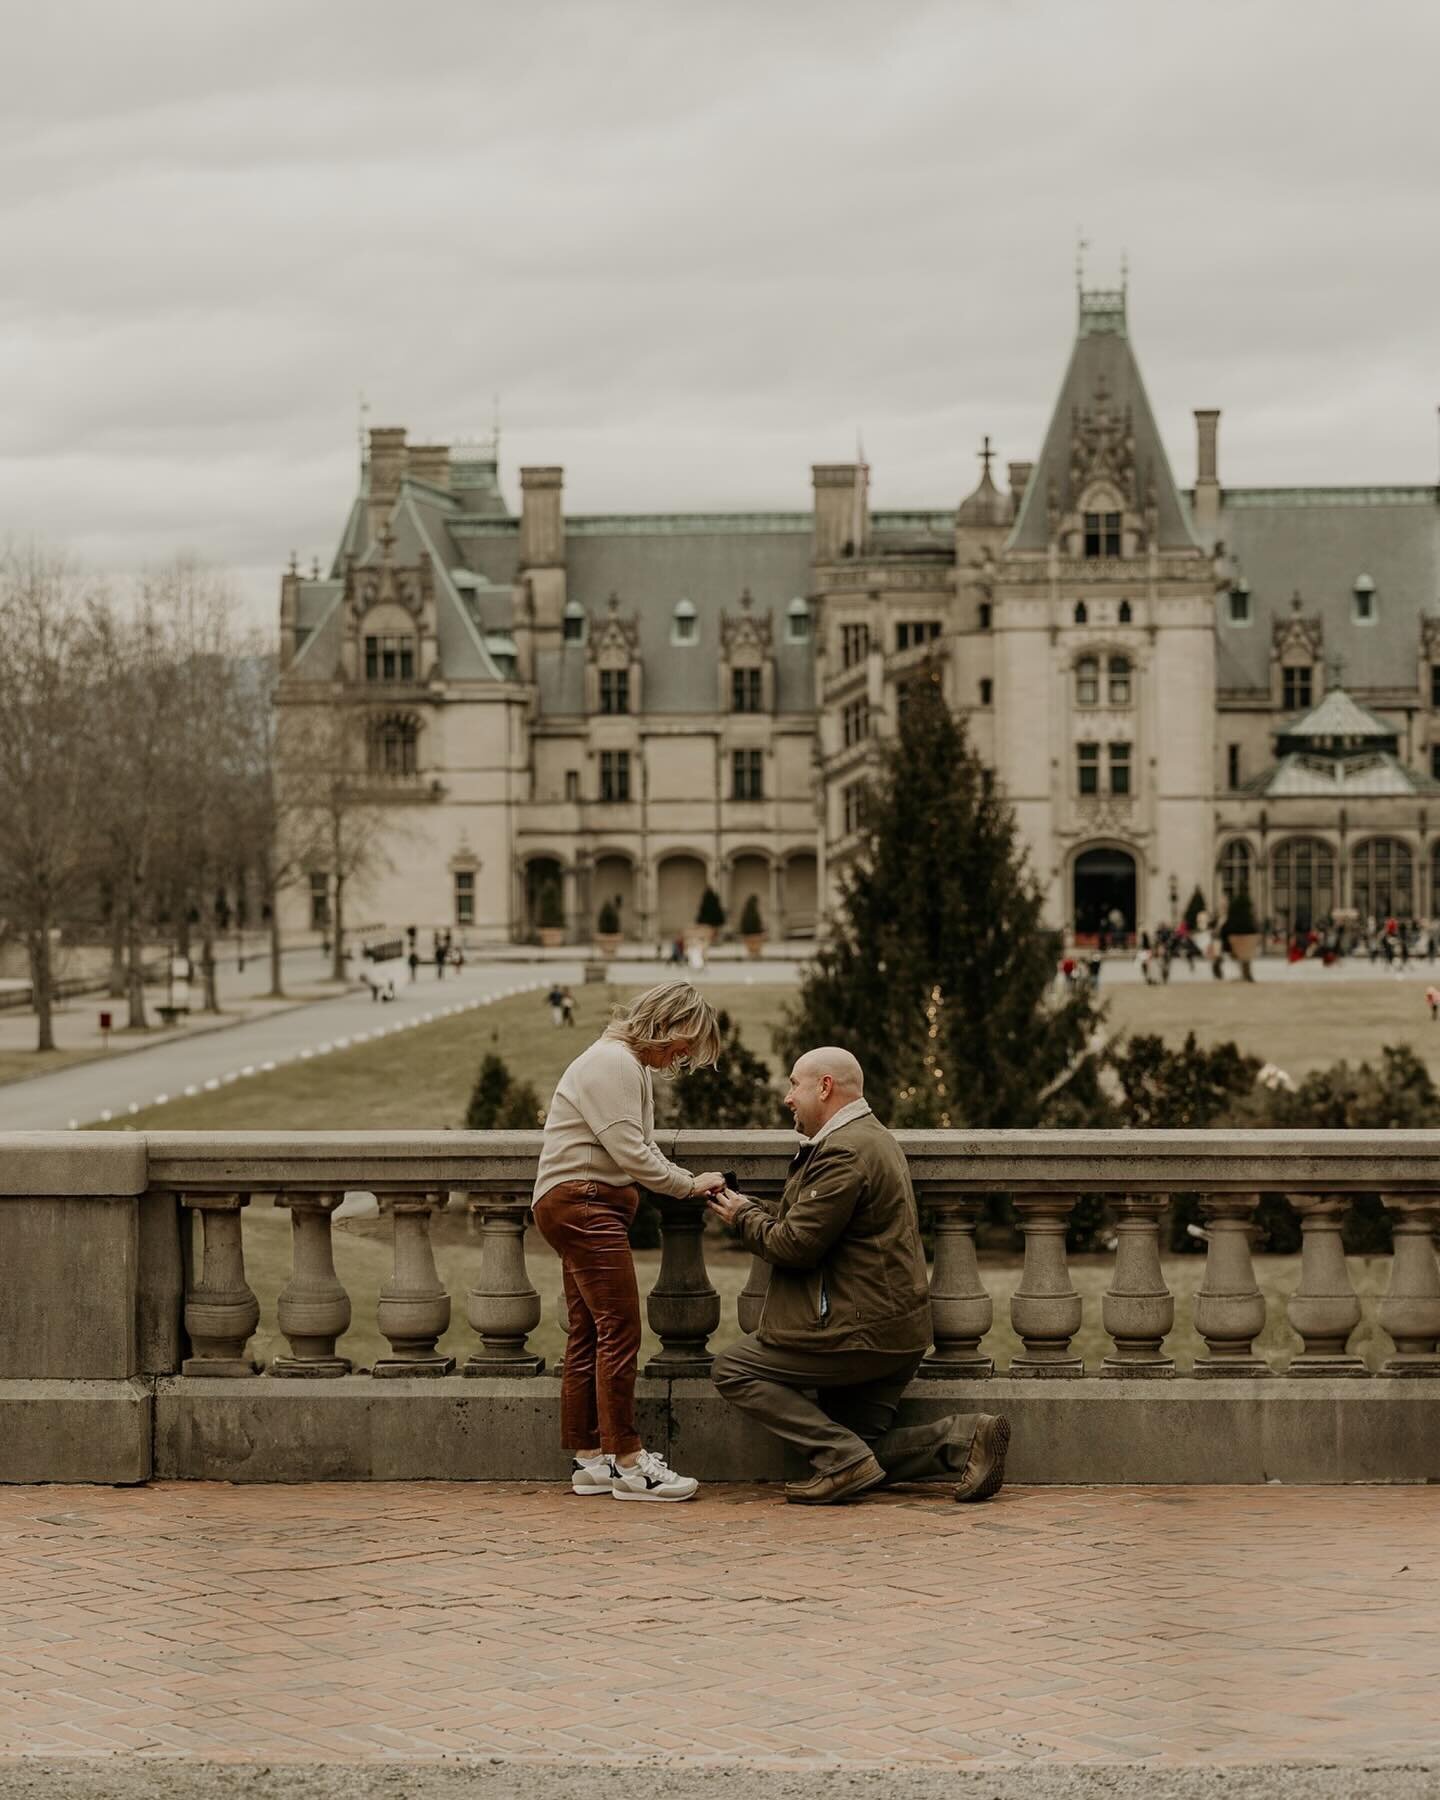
555, 1000
1432, 1000
1094, 966
413, 959
599, 1150
567, 1006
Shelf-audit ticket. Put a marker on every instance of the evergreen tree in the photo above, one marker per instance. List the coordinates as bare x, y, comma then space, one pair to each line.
940, 911
500, 1103
1194, 908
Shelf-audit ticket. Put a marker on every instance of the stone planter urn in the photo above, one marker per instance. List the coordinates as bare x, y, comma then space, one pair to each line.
754, 942
608, 942
551, 936
1244, 946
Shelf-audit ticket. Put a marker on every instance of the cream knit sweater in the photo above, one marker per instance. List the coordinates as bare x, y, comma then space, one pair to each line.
601, 1126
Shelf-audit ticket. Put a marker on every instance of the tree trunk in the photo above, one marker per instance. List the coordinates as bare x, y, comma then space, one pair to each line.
207, 966
41, 987
117, 954
135, 978
277, 981
337, 926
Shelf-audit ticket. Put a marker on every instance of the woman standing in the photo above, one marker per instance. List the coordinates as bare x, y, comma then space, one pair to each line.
599, 1150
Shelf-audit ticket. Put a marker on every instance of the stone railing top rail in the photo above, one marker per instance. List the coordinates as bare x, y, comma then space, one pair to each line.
35, 1164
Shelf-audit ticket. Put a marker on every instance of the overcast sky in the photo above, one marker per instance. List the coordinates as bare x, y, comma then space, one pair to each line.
694, 248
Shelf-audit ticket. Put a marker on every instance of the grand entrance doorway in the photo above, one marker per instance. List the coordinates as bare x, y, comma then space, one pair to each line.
1104, 893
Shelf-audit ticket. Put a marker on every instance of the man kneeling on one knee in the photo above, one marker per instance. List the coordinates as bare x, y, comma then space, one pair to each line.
847, 1313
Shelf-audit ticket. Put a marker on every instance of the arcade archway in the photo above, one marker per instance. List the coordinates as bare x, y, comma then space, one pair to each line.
1104, 892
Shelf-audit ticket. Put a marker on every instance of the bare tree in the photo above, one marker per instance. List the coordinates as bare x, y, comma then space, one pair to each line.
46, 689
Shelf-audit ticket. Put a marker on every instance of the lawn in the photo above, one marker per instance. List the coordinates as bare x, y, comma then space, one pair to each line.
1300, 1025
20, 1065
420, 1080
363, 1257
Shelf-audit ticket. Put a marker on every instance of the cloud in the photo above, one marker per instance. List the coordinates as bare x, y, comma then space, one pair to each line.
694, 250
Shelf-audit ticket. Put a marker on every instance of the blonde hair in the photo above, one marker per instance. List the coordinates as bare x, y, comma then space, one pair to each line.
661, 1015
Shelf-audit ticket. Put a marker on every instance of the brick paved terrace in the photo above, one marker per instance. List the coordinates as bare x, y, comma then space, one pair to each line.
1051, 1630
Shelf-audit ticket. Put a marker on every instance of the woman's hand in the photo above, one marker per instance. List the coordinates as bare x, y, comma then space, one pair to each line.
710, 1182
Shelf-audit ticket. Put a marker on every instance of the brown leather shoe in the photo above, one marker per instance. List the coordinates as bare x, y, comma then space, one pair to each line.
829, 1490
984, 1470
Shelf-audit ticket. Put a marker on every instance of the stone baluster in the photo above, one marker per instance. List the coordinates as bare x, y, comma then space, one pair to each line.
1410, 1311
683, 1308
414, 1309
221, 1312
1045, 1309
503, 1306
1137, 1309
1229, 1307
961, 1311
1324, 1309
750, 1301
313, 1308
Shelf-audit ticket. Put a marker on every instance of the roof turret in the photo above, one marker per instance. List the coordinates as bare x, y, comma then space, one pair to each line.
987, 506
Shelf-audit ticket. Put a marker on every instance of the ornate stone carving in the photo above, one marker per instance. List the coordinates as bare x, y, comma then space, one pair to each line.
743, 631
1102, 448
616, 639
1112, 814
386, 583
1294, 632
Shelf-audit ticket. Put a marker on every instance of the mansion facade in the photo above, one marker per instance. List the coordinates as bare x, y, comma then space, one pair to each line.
1174, 688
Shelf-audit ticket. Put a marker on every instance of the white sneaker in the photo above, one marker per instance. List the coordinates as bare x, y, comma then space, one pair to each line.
592, 1477
650, 1478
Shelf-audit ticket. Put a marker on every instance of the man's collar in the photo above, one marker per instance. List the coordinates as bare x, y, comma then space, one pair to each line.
857, 1109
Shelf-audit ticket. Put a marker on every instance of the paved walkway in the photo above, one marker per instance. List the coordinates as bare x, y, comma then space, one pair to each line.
1051, 1629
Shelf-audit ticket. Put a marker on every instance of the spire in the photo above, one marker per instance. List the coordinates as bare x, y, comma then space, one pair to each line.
987, 506
1102, 429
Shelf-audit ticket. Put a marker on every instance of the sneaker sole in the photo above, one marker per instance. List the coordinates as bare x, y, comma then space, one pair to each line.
588, 1493
637, 1494
996, 1478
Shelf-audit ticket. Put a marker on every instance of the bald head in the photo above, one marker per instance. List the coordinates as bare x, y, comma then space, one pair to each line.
821, 1082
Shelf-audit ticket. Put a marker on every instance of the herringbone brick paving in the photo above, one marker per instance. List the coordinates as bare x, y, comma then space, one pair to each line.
397, 1621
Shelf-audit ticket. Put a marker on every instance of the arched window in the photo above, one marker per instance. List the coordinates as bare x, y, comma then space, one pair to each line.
1087, 681
1081, 615
1383, 880
1236, 864
1125, 615
1118, 671
392, 746
1302, 884
684, 624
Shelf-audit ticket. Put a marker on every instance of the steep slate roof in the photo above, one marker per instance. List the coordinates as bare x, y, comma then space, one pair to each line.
1373, 774
710, 561
1316, 541
1101, 359
1339, 715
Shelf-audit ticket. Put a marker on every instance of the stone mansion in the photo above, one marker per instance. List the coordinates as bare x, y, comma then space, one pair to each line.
1173, 687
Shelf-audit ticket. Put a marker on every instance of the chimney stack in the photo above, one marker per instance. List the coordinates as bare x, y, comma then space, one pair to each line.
1207, 478
430, 462
542, 518
842, 509
387, 466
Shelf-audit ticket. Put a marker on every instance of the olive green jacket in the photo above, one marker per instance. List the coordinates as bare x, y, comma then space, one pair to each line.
847, 1263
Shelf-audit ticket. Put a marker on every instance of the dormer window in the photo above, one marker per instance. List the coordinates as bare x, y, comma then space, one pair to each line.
1296, 689
684, 624
389, 659
614, 690
746, 690
797, 622
1239, 598
572, 625
1364, 609
1102, 534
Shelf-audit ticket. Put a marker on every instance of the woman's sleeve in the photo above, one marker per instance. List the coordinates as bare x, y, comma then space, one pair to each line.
612, 1108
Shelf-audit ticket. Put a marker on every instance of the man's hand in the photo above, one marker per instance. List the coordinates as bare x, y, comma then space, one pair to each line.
727, 1205
710, 1182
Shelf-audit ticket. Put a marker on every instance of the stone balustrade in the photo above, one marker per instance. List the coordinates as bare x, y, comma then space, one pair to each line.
140, 1242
